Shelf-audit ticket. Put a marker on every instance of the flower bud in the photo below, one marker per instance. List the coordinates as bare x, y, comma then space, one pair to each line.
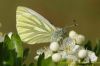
80, 39
10, 34
1, 37
36, 57
54, 46
73, 34
82, 53
56, 57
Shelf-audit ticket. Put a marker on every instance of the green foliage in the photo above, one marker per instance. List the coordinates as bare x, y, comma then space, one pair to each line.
14, 43
25, 53
85, 64
97, 48
12, 52
48, 62
88, 45
45, 62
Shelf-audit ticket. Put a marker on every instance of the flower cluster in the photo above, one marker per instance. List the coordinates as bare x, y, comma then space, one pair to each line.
72, 50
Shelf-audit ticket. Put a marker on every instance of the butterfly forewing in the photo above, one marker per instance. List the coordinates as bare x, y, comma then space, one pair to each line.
32, 27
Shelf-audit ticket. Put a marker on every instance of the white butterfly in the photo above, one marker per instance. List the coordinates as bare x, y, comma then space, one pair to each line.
34, 28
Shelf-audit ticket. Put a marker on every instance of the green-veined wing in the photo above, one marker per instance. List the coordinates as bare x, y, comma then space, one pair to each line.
32, 27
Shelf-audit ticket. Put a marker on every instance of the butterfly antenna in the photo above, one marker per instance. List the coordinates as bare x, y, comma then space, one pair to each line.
67, 27
75, 24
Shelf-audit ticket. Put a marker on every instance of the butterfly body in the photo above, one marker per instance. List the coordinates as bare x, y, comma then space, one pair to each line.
57, 35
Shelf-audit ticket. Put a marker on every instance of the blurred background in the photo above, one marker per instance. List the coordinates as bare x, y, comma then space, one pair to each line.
58, 12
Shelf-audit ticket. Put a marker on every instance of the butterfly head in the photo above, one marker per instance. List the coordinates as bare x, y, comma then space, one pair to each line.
58, 35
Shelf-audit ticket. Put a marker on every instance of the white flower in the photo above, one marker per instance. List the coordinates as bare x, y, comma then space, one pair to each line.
73, 34
54, 46
36, 57
76, 48
86, 60
82, 53
47, 52
68, 45
56, 57
80, 39
10, 34
72, 58
40, 51
63, 55
92, 56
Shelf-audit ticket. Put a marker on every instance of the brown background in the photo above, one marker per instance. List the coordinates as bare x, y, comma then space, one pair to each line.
58, 12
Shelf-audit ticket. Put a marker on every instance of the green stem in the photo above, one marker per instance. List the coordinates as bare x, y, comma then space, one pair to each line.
56, 64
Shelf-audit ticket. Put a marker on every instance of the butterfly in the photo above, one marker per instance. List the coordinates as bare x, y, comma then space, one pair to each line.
34, 28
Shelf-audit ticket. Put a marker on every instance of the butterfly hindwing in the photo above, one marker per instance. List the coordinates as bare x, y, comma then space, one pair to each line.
32, 27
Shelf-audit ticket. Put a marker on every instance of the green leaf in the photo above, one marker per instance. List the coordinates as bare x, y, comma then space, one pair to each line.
31, 64
45, 62
7, 43
9, 57
85, 64
49, 62
1, 54
97, 48
25, 53
8, 52
18, 62
40, 59
12, 51
16, 41
24, 64
88, 45
62, 63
